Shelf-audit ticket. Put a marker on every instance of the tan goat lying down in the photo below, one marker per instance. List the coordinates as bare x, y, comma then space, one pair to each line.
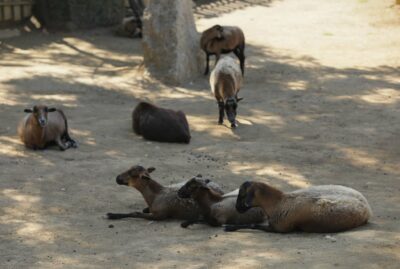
318, 209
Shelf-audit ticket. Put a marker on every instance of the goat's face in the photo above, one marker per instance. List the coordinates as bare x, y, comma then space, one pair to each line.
245, 198
136, 177
191, 188
230, 110
40, 114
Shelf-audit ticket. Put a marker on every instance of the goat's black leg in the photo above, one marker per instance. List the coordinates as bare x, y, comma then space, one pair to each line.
221, 112
72, 143
119, 215
146, 210
187, 223
239, 52
148, 216
207, 64
235, 227
61, 145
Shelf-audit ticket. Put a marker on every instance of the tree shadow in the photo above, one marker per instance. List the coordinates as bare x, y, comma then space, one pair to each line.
215, 8
301, 124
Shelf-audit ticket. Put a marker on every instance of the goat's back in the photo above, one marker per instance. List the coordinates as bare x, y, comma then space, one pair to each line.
231, 37
326, 208
160, 124
226, 72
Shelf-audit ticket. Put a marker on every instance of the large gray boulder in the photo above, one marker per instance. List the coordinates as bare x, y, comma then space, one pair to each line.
171, 41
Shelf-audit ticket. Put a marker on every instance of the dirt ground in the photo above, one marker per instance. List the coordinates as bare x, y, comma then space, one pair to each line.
321, 106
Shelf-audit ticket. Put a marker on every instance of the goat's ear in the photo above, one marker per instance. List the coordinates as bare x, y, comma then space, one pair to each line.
246, 184
218, 27
150, 169
239, 99
145, 177
52, 109
207, 181
199, 175
28, 110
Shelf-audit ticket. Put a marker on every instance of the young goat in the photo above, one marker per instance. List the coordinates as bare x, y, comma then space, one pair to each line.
43, 126
223, 39
225, 82
215, 208
163, 202
160, 124
318, 209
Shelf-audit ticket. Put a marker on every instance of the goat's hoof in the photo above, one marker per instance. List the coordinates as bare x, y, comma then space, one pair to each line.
234, 125
111, 216
73, 144
229, 228
220, 122
184, 224
68, 144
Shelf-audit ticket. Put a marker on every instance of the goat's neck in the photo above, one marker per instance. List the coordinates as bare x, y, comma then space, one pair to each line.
268, 198
207, 197
150, 191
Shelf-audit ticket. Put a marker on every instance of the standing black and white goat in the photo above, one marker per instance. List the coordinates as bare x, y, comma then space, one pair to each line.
225, 82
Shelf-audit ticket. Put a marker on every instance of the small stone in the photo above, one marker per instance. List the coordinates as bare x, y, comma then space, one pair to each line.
110, 226
331, 238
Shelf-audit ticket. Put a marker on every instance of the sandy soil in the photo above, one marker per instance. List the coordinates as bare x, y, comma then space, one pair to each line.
322, 106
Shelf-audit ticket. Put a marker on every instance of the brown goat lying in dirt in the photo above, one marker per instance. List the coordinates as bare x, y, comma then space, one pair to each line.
217, 209
163, 202
160, 124
317, 209
219, 39
43, 126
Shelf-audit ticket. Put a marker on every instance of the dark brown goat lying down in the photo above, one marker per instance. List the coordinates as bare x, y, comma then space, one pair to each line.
160, 124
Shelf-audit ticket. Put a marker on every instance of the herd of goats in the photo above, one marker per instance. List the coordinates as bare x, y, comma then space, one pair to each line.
255, 205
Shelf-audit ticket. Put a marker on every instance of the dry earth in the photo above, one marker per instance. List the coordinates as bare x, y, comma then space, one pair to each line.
322, 106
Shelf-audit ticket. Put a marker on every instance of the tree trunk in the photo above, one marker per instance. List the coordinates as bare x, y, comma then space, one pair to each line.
171, 42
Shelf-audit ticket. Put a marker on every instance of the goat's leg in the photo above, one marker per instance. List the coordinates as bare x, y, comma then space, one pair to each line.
69, 140
221, 112
146, 210
207, 64
119, 215
187, 223
61, 145
239, 52
140, 215
235, 227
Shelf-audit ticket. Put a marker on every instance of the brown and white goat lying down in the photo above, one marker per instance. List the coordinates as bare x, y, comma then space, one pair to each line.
44, 126
225, 82
162, 201
219, 40
317, 209
160, 124
217, 209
